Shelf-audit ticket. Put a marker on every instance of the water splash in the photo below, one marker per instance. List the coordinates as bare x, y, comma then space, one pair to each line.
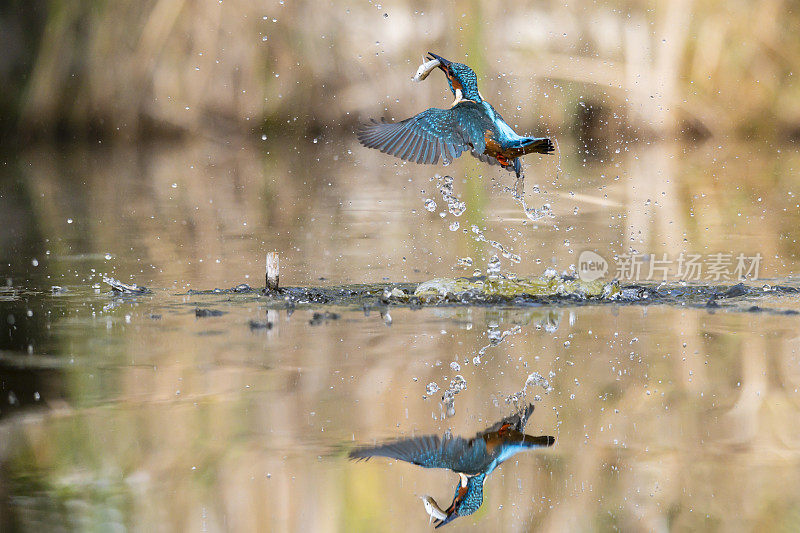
465, 262
479, 236
493, 268
431, 388
457, 384
455, 206
535, 380
496, 337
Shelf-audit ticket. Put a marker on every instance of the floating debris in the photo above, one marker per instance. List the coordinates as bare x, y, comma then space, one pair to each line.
499, 285
549, 289
392, 293
740, 289
242, 287
124, 288
205, 313
260, 324
321, 318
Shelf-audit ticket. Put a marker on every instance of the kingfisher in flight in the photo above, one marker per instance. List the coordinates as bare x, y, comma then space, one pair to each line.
472, 459
470, 124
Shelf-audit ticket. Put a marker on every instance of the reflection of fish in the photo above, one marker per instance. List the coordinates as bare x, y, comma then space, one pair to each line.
472, 459
471, 124
432, 508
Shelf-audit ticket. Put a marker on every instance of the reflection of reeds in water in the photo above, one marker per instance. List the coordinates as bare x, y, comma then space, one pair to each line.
201, 423
216, 68
168, 214
240, 432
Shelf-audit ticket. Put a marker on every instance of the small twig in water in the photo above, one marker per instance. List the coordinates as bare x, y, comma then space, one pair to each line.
273, 271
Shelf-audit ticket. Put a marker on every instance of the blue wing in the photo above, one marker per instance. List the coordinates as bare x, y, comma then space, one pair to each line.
431, 451
426, 137
467, 456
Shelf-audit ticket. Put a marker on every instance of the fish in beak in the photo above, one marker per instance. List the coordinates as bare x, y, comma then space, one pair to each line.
426, 68
439, 517
432, 61
433, 509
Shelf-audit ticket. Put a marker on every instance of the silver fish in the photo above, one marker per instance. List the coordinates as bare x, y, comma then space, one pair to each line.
425, 69
432, 508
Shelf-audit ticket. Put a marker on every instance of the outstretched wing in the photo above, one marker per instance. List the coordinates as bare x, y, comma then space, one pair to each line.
426, 137
430, 451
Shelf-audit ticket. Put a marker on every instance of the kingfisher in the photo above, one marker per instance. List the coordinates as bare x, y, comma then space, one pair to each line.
472, 459
470, 124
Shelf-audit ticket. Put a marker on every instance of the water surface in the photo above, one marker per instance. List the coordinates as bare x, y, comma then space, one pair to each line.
133, 412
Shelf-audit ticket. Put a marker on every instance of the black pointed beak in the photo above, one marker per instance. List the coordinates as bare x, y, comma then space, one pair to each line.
445, 64
450, 518
451, 511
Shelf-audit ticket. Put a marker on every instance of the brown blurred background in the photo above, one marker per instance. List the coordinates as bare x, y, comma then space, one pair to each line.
80, 69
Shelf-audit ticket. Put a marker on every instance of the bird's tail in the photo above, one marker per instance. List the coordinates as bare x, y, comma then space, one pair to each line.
529, 145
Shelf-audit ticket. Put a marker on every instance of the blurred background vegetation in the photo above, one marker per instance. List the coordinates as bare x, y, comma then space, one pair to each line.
89, 69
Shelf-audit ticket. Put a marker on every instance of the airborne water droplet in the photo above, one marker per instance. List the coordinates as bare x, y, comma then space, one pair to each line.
493, 268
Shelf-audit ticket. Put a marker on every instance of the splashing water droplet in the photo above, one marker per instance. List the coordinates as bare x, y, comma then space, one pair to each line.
493, 268
457, 208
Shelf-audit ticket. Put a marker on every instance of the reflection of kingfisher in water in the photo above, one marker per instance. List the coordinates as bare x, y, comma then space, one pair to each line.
471, 124
472, 459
